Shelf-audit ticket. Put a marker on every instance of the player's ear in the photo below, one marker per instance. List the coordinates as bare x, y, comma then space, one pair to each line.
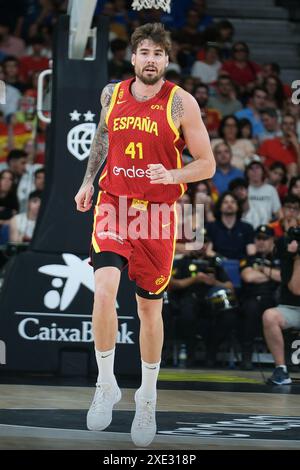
133, 59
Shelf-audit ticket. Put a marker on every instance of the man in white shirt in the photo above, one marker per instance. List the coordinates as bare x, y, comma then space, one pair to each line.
208, 69
263, 197
225, 100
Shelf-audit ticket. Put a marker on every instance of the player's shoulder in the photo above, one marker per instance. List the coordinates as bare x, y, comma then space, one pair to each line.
107, 93
185, 97
184, 107
109, 89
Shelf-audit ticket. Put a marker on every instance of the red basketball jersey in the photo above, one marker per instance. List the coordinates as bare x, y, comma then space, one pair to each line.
141, 133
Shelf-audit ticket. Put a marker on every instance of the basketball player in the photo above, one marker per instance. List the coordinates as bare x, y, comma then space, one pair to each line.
144, 125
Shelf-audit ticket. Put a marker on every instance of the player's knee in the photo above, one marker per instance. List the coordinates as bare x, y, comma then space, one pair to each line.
104, 297
150, 319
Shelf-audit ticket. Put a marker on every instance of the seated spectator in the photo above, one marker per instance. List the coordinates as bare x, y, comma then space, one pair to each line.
230, 134
35, 62
11, 68
246, 131
289, 216
22, 225
256, 103
192, 278
188, 84
189, 35
277, 177
294, 110
9, 205
239, 188
212, 116
118, 65
205, 20
16, 163
273, 70
173, 76
184, 219
287, 313
12, 96
27, 184
202, 195
240, 69
225, 100
207, 70
285, 149
222, 33
39, 179
230, 237
270, 122
225, 171
263, 197
261, 279
9, 44
275, 92
294, 187
173, 57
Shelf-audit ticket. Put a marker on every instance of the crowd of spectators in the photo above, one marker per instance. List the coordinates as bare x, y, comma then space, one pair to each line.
253, 125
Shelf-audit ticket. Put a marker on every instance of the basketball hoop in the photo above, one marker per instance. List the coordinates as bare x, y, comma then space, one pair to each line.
163, 4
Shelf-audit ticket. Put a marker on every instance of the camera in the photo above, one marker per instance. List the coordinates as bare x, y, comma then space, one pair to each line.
293, 234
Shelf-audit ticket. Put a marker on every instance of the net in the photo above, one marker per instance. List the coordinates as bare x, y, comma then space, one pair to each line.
163, 4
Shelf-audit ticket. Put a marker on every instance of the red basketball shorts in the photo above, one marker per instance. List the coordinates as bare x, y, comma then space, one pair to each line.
141, 231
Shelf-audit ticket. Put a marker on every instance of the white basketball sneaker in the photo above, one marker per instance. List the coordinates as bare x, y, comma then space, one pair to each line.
143, 427
100, 413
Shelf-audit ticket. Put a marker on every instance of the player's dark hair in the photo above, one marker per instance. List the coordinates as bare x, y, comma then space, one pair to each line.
153, 31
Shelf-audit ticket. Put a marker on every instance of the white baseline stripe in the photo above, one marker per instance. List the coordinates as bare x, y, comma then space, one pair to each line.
8, 430
40, 314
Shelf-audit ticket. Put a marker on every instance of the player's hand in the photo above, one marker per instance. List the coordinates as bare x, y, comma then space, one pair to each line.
160, 175
84, 198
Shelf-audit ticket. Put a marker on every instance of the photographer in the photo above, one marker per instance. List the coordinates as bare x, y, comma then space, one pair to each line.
261, 277
287, 313
192, 278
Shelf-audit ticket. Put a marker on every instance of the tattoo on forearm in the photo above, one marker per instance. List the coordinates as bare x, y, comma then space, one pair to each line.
177, 109
98, 154
99, 147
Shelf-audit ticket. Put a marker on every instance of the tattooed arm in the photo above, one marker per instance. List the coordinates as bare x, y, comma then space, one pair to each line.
98, 154
187, 116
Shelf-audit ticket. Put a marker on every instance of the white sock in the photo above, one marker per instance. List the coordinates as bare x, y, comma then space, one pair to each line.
105, 362
283, 367
149, 380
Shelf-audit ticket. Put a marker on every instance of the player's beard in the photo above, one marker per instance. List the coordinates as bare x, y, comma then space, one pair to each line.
149, 80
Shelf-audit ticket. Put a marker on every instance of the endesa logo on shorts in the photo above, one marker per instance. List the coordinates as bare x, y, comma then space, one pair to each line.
132, 172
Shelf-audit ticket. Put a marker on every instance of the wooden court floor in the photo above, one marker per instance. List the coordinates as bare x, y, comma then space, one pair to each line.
38, 416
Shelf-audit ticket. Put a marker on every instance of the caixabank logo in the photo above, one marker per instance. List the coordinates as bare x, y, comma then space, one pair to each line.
65, 282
